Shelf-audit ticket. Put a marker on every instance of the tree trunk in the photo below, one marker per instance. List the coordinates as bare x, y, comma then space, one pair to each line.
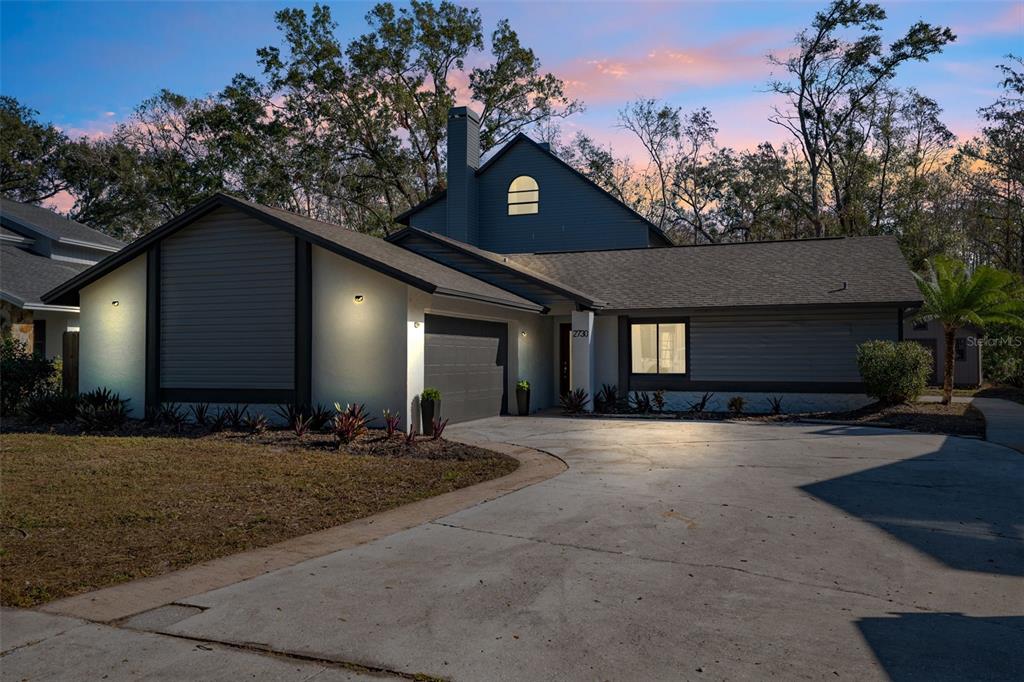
947, 378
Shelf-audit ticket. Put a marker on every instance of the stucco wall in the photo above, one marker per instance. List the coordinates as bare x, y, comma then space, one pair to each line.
359, 349
529, 356
112, 341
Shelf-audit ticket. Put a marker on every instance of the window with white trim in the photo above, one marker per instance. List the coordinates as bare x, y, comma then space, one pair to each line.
523, 196
657, 347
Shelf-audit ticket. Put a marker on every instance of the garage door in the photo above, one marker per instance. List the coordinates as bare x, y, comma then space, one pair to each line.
467, 361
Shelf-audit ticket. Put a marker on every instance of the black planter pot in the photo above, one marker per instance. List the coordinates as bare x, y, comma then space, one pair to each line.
428, 410
523, 401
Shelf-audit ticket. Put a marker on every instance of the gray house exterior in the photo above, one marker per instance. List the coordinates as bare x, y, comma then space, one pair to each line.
521, 269
39, 249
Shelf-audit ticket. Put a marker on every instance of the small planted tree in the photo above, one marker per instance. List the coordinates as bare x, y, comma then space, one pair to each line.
956, 297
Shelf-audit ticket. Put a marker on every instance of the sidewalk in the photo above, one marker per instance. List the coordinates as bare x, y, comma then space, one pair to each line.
40, 645
1004, 421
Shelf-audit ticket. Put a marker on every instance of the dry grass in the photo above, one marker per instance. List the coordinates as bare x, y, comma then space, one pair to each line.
80, 512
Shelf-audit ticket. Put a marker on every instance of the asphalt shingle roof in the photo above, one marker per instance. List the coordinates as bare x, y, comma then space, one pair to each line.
54, 225
26, 276
850, 270
372, 251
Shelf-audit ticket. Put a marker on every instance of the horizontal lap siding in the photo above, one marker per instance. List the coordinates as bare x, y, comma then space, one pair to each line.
812, 346
227, 305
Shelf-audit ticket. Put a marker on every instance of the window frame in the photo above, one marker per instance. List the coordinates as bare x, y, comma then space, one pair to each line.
650, 380
510, 192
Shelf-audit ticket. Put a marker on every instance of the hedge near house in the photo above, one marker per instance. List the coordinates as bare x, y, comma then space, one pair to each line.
894, 372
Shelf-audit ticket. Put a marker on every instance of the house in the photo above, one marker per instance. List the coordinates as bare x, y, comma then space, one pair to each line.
522, 268
966, 353
39, 249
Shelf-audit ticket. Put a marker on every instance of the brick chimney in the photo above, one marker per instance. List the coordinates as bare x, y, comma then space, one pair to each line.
463, 160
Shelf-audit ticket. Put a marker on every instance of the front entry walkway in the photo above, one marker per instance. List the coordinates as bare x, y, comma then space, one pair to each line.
670, 550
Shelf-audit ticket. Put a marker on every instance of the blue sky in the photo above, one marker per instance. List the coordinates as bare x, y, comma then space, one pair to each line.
85, 65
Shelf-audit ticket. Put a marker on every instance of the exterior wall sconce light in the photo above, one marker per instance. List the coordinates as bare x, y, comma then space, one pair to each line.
115, 303
416, 324
522, 333
359, 298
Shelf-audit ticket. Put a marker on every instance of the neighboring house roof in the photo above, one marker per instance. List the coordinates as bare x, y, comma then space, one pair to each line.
25, 276
504, 264
372, 252
403, 218
831, 271
54, 226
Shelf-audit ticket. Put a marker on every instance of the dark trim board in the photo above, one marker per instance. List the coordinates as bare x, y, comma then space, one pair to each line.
303, 322
153, 327
247, 396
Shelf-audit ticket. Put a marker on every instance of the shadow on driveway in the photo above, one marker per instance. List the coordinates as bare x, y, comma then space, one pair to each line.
962, 505
946, 646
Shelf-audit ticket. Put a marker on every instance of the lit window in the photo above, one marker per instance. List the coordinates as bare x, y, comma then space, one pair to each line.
658, 348
523, 196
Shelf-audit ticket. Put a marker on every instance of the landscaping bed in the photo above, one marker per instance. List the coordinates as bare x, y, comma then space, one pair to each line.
956, 419
82, 512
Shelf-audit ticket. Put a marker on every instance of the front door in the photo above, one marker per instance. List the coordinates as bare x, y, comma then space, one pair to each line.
564, 348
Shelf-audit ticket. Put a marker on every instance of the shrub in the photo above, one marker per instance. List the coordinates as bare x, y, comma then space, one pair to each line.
523, 385
235, 416
219, 421
200, 413
775, 404
300, 425
24, 374
736, 404
349, 423
289, 412
607, 397
658, 399
172, 414
641, 402
50, 407
1003, 355
319, 417
702, 404
256, 423
430, 394
894, 372
574, 402
439, 427
101, 410
409, 439
392, 420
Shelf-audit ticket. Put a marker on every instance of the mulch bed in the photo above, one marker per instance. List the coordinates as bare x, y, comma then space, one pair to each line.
80, 512
956, 419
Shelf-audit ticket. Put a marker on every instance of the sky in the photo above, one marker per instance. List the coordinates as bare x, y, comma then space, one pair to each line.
85, 65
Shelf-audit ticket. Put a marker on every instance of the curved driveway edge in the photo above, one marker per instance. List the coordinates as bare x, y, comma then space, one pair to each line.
120, 601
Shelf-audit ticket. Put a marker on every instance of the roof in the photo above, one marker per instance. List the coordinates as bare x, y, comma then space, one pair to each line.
372, 252
403, 218
502, 262
26, 276
55, 226
831, 271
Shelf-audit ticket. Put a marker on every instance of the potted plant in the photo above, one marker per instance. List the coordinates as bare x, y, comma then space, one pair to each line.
430, 406
523, 397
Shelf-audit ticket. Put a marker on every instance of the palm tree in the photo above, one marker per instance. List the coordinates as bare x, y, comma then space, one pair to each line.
956, 297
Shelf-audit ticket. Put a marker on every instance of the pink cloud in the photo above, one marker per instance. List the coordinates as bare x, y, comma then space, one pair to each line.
62, 202
1009, 21
96, 129
653, 72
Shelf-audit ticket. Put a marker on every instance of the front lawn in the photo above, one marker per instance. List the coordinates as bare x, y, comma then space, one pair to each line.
83, 512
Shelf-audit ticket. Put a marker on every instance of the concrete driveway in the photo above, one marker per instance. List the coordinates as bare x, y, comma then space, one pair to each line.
675, 551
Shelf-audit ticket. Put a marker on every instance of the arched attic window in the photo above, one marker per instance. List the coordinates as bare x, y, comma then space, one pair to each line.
523, 196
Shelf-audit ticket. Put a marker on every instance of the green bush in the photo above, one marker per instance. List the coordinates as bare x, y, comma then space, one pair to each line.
430, 394
894, 372
24, 375
1002, 356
